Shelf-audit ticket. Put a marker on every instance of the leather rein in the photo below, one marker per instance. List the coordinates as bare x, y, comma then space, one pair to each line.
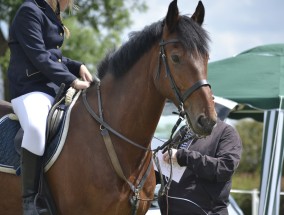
105, 127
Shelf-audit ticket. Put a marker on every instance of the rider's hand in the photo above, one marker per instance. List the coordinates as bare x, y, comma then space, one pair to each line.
86, 79
166, 156
85, 74
80, 85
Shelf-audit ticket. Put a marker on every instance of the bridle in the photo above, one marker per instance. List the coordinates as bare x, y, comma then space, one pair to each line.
180, 97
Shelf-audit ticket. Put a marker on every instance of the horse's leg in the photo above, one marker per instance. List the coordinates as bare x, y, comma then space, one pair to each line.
10, 194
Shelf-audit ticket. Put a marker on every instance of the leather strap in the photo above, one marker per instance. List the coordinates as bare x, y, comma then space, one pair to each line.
113, 157
107, 126
194, 87
135, 200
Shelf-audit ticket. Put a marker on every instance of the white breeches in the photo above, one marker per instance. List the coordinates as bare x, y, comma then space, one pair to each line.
32, 110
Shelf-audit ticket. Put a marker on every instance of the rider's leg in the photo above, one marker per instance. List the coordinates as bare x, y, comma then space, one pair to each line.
32, 110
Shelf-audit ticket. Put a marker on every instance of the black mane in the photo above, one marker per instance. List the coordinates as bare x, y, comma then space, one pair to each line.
192, 36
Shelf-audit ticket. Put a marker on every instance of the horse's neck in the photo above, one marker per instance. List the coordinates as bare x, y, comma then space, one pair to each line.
132, 104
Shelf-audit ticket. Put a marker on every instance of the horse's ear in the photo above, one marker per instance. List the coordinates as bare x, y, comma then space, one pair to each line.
172, 16
199, 13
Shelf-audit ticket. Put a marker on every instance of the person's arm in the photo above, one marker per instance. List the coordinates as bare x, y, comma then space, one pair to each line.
222, 166
72, 65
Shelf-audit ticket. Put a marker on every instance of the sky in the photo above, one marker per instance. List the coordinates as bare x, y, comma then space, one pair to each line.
233, 25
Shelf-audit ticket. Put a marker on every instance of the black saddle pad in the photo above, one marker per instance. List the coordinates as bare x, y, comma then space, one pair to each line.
9, 158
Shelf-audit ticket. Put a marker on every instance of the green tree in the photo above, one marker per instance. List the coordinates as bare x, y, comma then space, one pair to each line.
4, 60
247, 176
100, 14
85, 44
105, 20
251, 134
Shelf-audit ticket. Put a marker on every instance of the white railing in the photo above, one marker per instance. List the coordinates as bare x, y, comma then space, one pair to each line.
254, 198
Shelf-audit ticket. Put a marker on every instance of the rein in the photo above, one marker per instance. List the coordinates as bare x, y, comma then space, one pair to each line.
113, 156
101, 120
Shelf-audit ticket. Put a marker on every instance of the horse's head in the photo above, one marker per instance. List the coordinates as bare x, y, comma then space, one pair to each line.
182, 69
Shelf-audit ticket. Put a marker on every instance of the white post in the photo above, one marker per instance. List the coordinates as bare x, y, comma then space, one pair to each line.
255, 202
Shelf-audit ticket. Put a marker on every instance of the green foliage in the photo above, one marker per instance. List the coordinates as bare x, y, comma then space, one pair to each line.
4, 62
110, 14
251, 134
8, 9
249, 181
100, 14
244, 201
85, 44
244, 181
247, 176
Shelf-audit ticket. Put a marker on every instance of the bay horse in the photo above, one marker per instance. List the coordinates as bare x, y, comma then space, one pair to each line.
166, 60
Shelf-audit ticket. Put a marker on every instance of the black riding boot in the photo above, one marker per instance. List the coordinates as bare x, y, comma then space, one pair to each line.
31, 165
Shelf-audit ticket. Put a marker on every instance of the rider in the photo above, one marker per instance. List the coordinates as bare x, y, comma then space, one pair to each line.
36, 69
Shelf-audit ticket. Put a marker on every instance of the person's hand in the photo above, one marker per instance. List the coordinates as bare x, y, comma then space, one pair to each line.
86, 79
166, 156
85, 74
80, 85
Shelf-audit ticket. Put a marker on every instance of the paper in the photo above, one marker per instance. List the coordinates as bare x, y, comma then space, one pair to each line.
166, 168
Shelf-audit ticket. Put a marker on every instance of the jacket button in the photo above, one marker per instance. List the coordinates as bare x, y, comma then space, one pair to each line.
58, 47
59, 60
61, 34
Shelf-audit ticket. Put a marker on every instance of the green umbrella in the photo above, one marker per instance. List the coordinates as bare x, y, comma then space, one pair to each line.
255, 80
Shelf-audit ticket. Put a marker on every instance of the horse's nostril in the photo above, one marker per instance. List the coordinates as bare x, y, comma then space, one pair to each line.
201, 121
206, 123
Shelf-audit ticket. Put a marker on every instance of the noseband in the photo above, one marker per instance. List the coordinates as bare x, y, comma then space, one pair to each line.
181, 98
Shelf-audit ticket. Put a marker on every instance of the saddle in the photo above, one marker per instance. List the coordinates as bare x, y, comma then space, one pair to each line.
57, 111
54, 121
57, 127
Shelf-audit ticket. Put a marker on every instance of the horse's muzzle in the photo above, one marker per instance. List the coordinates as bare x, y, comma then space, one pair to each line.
206, 124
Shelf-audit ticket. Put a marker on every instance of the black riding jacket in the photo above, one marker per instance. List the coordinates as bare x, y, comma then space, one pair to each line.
36, 36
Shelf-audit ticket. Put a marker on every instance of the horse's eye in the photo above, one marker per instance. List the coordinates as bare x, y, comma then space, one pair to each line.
175, 58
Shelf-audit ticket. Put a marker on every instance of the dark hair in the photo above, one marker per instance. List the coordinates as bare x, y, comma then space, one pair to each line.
192, 36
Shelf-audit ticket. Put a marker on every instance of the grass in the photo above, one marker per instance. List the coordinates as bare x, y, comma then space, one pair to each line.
248, 182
